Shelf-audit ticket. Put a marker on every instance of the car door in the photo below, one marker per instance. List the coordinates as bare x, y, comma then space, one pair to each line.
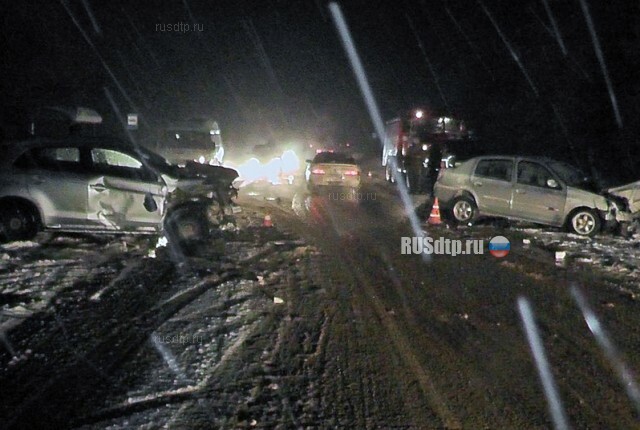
533, 198
124, 194
57, 182
492, 184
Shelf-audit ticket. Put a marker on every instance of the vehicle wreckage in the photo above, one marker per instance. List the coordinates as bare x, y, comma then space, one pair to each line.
104, 185
539, 190
627, 203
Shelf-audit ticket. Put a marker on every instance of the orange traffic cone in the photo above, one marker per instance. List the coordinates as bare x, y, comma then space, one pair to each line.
267, 221
434, 216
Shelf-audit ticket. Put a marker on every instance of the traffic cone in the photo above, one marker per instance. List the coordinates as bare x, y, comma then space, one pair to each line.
434, 216
267, 221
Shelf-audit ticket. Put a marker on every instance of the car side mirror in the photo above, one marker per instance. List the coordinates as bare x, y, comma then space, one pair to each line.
552, 183
149, 203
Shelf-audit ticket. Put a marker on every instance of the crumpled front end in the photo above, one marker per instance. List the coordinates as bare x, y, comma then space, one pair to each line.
630, 193
611, 208
212, 192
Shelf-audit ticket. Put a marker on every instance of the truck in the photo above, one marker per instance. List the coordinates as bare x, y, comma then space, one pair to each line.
415, 137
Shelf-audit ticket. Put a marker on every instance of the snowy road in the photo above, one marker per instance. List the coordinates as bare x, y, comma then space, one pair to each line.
319, 322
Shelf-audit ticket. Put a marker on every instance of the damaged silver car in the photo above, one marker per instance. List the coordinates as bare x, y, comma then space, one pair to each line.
100, 185
534, 189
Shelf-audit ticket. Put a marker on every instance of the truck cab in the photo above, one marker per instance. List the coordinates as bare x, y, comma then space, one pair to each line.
413, 139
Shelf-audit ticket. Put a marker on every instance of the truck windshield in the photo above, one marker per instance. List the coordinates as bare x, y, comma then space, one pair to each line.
189, 139
427, 127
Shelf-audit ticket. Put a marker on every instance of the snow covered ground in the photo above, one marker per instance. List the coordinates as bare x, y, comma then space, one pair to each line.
615, 257
184, 319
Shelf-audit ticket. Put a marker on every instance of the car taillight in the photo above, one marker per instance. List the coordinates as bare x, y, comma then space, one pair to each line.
351, 173
317, 171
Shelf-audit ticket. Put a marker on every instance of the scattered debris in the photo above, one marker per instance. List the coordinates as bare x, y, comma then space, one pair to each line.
19, 245
560, 257
278, 300
162, 242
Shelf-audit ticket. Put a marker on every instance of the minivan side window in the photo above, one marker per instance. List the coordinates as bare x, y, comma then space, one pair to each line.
117, 163
534, 174
54, 159
501, 170
113, 158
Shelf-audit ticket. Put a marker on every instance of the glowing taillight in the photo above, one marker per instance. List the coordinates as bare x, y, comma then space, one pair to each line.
351, 173
317, 171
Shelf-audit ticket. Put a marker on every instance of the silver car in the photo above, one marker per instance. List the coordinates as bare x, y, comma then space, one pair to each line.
95, 185
534, 189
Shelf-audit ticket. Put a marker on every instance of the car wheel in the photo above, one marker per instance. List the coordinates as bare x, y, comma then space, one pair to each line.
187, 224
18, 223
584, 222
464, 210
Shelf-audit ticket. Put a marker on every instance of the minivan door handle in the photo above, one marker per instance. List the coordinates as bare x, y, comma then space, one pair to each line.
98, 187
519, 191
477, 184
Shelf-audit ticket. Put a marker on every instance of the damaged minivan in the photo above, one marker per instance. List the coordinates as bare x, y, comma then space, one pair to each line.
533, 189
103, 185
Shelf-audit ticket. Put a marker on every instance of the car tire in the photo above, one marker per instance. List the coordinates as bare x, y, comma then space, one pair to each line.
187, 224
584, 222
464, 210
18, 222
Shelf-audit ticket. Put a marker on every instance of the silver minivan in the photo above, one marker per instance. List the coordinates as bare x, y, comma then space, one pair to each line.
534, 189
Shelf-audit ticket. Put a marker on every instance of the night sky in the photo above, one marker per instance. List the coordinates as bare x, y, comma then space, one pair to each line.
525, 79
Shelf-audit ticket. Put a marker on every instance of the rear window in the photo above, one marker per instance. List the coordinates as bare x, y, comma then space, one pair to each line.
334, 157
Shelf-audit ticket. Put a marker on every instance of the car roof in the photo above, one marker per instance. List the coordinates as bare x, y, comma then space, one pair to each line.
515, 157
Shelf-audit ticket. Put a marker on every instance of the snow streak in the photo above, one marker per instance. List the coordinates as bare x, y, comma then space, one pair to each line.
542, 364
374, 112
